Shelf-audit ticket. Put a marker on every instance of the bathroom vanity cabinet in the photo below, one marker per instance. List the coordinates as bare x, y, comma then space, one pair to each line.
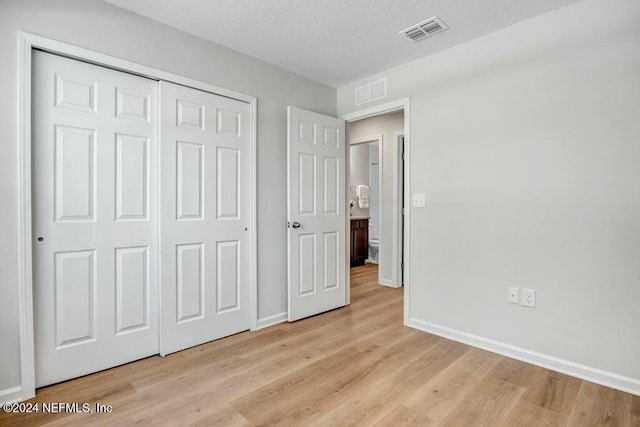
359, 240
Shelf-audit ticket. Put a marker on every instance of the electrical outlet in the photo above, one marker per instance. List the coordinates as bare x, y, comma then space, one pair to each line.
513, 295
528, 298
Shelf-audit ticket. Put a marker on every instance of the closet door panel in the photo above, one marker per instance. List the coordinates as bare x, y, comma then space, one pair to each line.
205, 217
95, 217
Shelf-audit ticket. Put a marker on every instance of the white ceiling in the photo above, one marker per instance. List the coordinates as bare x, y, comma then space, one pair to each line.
336, 41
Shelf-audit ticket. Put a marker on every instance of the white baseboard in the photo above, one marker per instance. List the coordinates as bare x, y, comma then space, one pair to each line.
387, 282
11, 395
272, 320
595, 375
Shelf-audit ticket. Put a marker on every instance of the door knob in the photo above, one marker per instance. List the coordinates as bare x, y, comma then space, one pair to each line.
40, 239
295, 224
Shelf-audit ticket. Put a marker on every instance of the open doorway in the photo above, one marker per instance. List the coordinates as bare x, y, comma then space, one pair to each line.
375, 194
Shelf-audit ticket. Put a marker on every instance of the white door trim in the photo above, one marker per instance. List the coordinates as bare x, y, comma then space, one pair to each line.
26, 43
396, 272
389, 107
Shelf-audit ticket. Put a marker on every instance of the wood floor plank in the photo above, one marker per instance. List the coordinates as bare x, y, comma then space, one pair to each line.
313, 405
553, 391
527, 414
447, 390
357, 365
293, 392
596, 405
491, 404
635, 406
401, 416
375, 402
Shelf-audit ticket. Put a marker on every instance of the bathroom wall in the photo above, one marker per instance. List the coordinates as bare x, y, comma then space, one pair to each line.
374, 184
358, 174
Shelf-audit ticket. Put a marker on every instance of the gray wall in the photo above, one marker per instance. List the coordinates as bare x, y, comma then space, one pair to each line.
384, 125
527, 144
107, 29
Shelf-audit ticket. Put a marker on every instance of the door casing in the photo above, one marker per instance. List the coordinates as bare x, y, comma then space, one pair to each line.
398, 205
27, 43
377, 110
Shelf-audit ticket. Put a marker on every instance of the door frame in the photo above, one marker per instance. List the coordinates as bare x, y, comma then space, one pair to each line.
26, 43
402, 104
398, 169
368, 140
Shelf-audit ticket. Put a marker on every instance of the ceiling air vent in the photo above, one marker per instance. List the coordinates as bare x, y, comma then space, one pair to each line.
424, 29
371, 91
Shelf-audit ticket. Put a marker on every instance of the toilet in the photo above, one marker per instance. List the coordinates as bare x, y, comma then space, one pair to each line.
374, 246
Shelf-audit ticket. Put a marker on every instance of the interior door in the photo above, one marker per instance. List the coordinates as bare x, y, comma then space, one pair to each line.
205, 217
94, 210
316, 211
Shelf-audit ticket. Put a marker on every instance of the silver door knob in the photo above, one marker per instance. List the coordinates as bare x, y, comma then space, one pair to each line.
295, 224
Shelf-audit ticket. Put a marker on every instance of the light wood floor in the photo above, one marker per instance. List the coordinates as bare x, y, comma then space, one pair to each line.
353, 366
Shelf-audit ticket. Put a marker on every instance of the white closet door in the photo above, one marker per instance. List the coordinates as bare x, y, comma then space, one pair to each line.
94, 161
205, 217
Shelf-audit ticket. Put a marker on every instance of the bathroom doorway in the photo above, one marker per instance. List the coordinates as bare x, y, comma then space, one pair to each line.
375, 194
364, 199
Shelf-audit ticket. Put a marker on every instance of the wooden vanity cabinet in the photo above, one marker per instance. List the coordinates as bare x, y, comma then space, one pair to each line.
359, 241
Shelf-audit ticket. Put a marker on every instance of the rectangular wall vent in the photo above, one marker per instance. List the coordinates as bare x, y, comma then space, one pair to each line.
371, 91
424, 29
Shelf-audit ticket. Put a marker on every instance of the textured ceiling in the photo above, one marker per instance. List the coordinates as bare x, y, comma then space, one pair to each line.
336, 41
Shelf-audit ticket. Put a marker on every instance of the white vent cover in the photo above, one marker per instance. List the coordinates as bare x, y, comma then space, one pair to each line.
371, 91
424, 29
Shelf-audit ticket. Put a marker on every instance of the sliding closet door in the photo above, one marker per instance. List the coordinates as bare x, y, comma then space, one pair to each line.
205, 217
95, 217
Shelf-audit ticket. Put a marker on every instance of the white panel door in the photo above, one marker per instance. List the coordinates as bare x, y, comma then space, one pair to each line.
205, 217
316, 210
94, 161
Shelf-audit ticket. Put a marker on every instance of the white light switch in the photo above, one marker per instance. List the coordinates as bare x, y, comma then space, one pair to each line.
419, 200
